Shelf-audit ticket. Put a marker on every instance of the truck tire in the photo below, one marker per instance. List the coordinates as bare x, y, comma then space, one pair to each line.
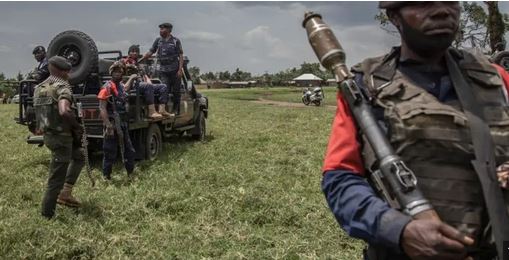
79, 49
200, 130
154, 142
502, 59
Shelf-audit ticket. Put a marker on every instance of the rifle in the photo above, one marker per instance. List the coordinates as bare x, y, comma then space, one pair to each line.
118, 129
84, 144
396, 181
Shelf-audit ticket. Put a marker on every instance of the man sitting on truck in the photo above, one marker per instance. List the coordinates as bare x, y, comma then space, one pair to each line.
146, 87
113, 104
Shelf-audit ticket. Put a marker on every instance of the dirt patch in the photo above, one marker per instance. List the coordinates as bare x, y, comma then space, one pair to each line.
285, 104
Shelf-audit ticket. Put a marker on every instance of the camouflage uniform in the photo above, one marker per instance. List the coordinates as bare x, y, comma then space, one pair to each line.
67, 157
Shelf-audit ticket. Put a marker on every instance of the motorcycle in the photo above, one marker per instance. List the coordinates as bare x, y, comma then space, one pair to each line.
314, 96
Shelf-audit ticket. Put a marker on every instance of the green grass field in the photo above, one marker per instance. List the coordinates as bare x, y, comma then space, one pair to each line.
251, 191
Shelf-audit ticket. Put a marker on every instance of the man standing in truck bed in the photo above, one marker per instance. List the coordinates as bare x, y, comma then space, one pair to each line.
170, 59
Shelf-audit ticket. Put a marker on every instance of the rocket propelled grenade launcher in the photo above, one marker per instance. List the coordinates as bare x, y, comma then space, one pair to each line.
393, 173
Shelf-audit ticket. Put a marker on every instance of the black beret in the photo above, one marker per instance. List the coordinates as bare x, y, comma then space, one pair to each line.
38, 49
392, 4
166, 25
60, 63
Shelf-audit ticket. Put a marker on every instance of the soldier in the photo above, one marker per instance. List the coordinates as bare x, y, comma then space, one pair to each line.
113, 100
414, 98
57, 120
146, 87
170, 59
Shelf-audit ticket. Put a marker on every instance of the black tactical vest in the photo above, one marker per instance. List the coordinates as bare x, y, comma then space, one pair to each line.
433, 138
168, 53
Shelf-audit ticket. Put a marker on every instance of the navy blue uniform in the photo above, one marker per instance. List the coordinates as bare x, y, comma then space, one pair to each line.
116, 97
168, 51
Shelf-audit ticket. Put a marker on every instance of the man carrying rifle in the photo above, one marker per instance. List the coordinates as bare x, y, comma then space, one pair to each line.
414, 97
113, 111
57, 119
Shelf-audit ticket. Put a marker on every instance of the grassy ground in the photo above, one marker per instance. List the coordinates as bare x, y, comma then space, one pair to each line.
286, 94
252, 191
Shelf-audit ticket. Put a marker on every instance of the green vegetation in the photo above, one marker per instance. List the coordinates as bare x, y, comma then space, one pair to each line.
284, 94
251, 191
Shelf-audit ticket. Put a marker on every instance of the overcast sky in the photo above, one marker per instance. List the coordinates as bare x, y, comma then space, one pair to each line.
217, 36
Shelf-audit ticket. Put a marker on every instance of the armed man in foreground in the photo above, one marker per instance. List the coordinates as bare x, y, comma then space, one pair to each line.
444, 112
57, 119
113, 111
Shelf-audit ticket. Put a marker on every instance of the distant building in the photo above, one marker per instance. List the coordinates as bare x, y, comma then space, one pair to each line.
307, 79
241, 84
332, 82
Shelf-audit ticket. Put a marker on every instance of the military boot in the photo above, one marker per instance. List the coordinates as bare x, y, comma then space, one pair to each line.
162, 111
65, 197
152, 113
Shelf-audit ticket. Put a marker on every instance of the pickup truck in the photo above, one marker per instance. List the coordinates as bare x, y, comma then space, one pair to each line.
89, 73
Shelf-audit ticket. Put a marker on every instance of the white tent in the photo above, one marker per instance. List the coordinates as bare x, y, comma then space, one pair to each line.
307, 79
307, 76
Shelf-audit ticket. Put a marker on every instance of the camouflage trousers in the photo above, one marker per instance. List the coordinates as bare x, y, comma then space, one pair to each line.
67, 160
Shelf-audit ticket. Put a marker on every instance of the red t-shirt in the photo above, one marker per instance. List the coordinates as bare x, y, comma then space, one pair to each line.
105, 91
343, 150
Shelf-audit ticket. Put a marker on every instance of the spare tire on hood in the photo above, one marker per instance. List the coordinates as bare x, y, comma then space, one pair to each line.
79, 49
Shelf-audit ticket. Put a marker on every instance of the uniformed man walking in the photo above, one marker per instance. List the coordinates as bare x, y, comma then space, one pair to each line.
57, 119
113, 106
170, 61
416, 99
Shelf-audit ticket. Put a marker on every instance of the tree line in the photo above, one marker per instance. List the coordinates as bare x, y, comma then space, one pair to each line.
278, 78
8, 85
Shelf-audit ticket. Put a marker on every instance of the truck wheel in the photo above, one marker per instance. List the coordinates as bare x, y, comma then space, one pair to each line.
79, 49
154, 142
200, 127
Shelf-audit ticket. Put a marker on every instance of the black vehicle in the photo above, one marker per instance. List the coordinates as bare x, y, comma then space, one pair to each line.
89, 73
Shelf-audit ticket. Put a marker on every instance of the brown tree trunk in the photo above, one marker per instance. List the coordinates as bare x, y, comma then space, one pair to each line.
495, 26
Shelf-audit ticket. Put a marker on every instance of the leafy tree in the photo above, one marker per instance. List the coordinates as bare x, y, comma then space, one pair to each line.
20, 76
476, 28
195, 72
209, 76
224, 75
240, 75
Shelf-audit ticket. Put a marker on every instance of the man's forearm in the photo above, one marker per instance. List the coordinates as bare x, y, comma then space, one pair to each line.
103, 113
360, 212
181, 61
145, 56
64, 110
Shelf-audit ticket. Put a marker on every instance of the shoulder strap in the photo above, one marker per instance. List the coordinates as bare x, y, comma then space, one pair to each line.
484, 149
